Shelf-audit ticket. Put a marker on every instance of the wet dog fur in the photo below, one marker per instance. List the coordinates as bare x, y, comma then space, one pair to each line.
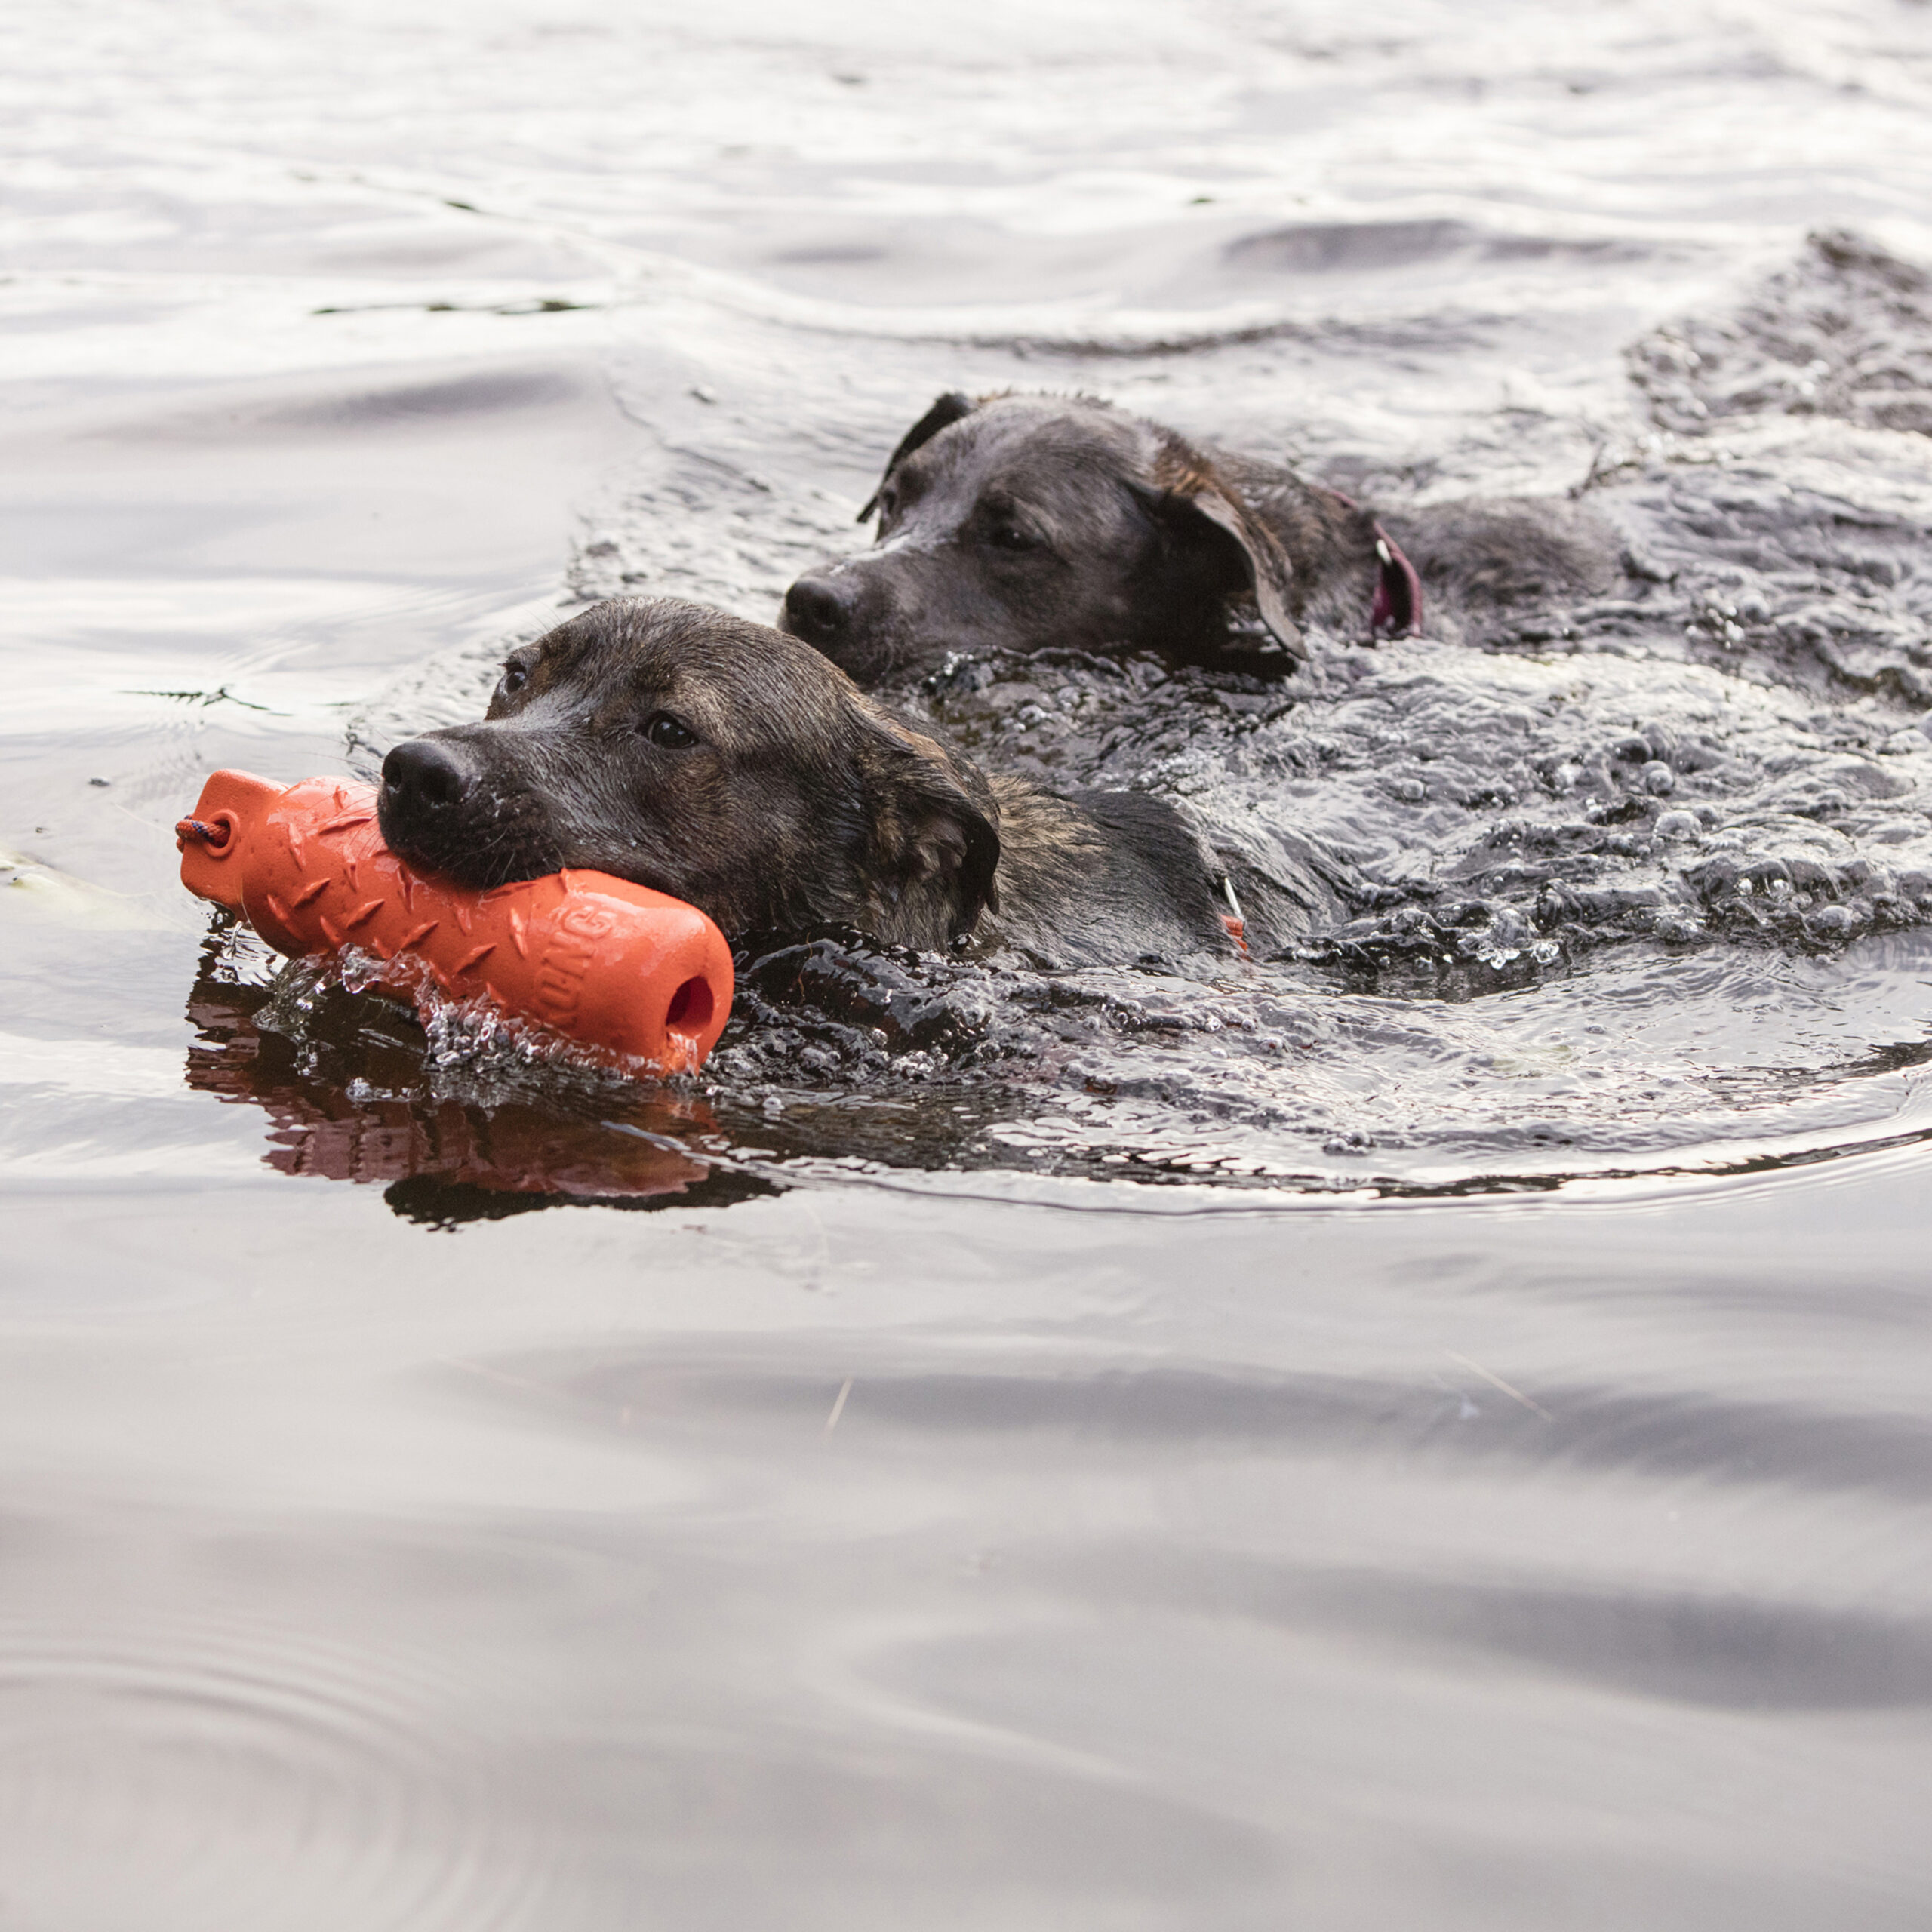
740, 771
1020, 522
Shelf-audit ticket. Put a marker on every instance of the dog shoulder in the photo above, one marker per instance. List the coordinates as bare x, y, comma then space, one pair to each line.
1498, 552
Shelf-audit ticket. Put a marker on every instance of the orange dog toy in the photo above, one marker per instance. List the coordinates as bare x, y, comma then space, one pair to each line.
632, 972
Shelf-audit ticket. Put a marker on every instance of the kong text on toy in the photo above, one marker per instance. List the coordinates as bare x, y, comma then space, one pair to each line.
632, 973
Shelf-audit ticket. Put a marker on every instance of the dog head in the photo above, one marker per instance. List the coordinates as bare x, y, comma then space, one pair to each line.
1019, 522
711, 758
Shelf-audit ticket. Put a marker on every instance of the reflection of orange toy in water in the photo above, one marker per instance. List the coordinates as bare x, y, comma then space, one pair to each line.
348, 1102
631, 973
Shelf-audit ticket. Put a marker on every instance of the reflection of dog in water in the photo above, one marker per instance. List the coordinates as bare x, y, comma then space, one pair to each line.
739, 770
439, 1159
1025, 523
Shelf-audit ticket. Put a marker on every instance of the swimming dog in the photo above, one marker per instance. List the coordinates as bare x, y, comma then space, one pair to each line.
740, 770
1020, 522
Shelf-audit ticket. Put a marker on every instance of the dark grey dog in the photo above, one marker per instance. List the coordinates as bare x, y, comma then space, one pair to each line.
1021, 522
734, 767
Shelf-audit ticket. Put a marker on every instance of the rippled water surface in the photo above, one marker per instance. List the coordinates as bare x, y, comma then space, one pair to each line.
1428, 1427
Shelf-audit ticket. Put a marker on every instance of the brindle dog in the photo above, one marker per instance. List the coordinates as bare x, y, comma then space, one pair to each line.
1020, 522
739, 770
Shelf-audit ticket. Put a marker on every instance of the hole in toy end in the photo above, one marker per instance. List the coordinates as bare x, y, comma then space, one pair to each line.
690, 1011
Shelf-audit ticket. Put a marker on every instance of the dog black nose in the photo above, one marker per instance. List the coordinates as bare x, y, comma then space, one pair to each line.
421, 774
818, 609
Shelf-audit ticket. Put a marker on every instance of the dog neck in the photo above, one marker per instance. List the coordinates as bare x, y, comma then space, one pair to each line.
1343, 557
1396, 608
1102, 878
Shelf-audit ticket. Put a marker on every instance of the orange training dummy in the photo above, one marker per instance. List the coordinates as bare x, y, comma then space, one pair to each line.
632, 973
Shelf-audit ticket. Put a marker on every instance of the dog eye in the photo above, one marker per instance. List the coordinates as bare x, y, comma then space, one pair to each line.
1011, 536
661, 728
515, 676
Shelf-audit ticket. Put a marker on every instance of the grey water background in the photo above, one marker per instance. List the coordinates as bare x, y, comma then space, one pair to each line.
1430, 1431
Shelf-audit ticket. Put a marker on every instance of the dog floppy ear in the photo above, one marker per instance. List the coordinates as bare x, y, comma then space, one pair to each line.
946, 411
935, 840
1198, 506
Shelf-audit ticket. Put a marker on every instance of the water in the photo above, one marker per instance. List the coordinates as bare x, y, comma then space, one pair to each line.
1429, 1428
